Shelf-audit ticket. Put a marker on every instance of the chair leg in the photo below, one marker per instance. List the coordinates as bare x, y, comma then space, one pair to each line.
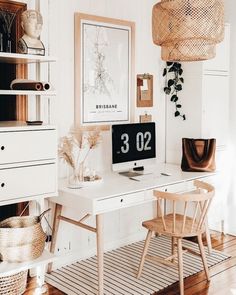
172, 247
180, 264
203, 255
208, 238
145, 249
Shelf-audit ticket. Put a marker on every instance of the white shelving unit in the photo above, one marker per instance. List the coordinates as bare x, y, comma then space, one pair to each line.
27, 173
27, 92
9, 126
8, 269
17, 58
28, 161
28, 154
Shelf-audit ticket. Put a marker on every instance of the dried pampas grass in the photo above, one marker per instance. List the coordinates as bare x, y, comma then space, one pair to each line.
94, 138
71, 148
65, 151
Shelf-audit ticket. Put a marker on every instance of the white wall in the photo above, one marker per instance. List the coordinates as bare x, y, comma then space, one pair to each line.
231, 196
147, 59
230, 17
126, 224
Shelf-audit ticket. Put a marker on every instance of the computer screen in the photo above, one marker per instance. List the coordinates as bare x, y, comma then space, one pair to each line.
132, 145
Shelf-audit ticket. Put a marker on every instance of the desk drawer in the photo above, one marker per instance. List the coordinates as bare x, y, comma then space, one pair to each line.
22, 146
27, 181
177, 188
149, 193
119, 202
173, 188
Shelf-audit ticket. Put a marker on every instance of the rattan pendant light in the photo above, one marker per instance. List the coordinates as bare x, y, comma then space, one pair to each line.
188, 30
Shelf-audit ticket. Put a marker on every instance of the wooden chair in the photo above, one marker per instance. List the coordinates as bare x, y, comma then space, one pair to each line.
178, 226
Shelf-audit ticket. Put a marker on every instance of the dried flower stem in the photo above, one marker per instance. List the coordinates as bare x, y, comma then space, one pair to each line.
71, 147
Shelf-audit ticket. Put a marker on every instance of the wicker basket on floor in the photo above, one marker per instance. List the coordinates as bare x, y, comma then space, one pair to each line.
14, 284
21, 238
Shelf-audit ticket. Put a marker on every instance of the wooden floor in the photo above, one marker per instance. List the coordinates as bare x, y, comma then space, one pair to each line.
223, 276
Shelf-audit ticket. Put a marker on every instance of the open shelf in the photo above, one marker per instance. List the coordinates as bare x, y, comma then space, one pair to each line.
17, 58
27, 92
8, 269
8, 126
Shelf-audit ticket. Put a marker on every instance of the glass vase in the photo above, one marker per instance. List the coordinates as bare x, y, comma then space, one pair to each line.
75, 176
81, 172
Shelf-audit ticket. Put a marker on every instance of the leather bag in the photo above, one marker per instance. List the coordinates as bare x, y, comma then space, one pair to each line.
198, 154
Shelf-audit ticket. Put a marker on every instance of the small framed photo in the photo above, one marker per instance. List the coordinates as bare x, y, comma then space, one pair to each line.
104, 74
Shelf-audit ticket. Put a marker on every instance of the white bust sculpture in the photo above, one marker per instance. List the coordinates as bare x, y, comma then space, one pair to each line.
31, 22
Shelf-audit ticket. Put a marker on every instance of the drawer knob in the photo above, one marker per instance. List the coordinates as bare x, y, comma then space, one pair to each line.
2, 184
121, 200
2, 147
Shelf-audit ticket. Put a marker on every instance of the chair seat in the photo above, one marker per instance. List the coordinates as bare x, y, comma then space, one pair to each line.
156, 225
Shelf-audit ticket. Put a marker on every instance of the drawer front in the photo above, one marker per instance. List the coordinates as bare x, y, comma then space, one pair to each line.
177, 188
27, 181
119, 202
26, 146
173, 188
149, 193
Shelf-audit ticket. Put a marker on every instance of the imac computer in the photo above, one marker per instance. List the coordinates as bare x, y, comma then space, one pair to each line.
133, 146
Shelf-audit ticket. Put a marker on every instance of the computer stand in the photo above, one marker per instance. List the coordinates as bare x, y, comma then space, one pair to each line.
136, 171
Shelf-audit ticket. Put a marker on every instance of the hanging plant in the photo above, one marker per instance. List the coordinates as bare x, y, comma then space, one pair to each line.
174, 81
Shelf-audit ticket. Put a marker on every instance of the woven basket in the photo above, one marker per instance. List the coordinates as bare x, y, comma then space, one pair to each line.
24, 252
14, 284
21, 238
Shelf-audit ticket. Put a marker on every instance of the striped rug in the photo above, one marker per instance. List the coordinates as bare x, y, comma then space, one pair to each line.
121, 268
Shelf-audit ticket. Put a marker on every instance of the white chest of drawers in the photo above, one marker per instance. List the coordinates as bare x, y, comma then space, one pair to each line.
28, 168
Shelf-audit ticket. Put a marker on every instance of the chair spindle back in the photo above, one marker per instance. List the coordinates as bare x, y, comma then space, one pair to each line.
190, 219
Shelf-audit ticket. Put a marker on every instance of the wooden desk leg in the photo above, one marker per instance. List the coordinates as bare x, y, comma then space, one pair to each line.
55, 228
100, 251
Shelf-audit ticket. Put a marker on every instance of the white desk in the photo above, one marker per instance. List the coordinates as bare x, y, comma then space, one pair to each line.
117, 192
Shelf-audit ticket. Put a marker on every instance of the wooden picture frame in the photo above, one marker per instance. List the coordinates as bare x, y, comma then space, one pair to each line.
144, 90
104, 71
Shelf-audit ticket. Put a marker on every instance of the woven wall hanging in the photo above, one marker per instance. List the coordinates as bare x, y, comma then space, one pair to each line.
188, 30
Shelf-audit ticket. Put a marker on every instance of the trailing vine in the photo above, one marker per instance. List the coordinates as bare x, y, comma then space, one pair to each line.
174, 85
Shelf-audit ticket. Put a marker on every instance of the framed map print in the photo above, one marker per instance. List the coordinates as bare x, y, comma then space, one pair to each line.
104, 54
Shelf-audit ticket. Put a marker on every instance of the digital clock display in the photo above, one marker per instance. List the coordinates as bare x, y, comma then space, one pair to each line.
132, 142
